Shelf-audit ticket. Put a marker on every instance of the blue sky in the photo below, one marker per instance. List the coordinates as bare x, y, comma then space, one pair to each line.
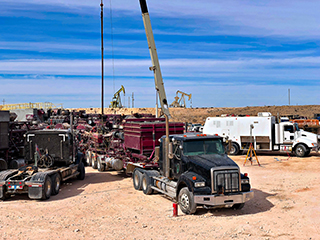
226, 53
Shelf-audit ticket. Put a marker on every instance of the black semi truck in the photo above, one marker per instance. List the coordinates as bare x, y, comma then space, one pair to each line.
200, 174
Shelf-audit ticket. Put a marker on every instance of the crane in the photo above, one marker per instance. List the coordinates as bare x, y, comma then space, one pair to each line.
157, 78
116, 100
180, 101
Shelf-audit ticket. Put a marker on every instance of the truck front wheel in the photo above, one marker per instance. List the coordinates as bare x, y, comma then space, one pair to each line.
186, 201
234, 149
300, 150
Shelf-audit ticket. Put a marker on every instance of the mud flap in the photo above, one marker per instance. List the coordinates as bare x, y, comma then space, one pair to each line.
35, 192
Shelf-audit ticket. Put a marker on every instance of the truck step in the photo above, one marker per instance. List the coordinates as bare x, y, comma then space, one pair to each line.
161, 191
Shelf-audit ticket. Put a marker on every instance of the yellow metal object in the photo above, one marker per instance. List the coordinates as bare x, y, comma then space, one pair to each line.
250, 150
43, 105
116, 100
180, 101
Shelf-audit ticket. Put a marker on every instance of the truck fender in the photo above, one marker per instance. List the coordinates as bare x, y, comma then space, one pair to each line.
186, 180
306, 142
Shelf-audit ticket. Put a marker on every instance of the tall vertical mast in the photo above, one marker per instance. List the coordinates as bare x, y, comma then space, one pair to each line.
102, 66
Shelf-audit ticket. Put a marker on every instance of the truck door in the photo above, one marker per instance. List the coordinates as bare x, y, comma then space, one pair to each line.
288, 133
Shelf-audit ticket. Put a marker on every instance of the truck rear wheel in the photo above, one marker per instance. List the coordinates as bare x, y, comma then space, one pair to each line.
186, 201
234, 149
146, 184
47, 188
56, 182
300, 150
137, 177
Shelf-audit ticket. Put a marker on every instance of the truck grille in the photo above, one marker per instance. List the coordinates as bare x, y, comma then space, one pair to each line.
225, 181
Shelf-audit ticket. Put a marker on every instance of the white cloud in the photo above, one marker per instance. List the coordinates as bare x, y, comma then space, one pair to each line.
232, 17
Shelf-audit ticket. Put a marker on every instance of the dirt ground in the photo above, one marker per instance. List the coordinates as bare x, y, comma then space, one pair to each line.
199, 115
106, 206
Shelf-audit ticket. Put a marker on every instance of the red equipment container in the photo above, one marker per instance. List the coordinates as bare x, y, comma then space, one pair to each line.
142, 135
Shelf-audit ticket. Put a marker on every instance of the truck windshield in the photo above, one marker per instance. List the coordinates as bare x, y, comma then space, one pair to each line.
296, 127
199, 147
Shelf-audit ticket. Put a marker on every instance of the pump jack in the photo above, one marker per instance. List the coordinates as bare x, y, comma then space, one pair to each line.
116, 100
180, 101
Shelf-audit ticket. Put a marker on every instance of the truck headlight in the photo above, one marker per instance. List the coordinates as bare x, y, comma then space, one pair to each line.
244, 181
199, 184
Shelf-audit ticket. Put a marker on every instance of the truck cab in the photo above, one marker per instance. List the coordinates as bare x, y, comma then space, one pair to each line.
203, 173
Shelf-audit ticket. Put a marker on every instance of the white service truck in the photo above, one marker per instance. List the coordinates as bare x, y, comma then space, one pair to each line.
265, 133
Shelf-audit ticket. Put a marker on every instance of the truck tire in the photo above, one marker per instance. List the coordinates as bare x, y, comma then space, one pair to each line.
146, 184
234, 149
88, 158
56, 182
82, 171
94, 162
47, 188
186, 201
300, 150
238, 206
137, 177
101, 167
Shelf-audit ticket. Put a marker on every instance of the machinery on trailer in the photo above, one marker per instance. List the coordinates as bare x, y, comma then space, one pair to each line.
266, 134
52, 157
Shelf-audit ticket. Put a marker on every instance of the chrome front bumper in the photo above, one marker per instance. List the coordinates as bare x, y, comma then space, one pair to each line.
223, 200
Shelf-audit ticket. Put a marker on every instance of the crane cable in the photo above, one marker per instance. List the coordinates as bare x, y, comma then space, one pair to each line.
112, 50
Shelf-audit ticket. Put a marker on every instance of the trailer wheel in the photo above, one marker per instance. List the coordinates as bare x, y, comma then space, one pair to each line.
300, 150
186, 201
137, 177
234, 149
238, 206
88, 158
146, 184
101, 167
94, 162
82, 171
47, 188
56, 182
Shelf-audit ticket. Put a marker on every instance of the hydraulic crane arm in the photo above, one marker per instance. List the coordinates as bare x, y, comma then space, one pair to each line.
154, 58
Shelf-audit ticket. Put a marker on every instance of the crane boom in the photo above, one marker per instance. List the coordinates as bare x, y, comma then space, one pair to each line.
154, 59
